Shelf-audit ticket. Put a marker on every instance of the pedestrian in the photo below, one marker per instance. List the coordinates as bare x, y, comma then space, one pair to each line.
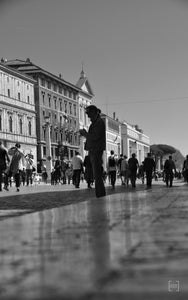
119, 168
69, 172
23, 176
96, 144
64, 166
133, 166
88, 171
29, 169
125, 171
170, 170
112, 168
141, 172
44, 174
16, 164
57, 171
53, 179
77, 166
4, 161
185, 169
149, 169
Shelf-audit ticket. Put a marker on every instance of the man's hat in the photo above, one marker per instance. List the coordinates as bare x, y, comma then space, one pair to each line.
92, 108
17, 145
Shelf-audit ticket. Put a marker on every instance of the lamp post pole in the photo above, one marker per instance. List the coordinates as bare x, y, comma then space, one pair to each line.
48, 148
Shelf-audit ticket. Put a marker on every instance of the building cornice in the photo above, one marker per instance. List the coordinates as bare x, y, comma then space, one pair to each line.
16, 73
27, 67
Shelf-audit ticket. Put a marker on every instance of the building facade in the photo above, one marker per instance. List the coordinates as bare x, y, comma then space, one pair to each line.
17, 110
60, 113
57, 110
134, 141
113, 137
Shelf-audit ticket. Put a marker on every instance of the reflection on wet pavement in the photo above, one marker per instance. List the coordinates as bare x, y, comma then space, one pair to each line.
127, 243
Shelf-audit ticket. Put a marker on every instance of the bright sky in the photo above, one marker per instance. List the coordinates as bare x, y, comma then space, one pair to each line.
134, 52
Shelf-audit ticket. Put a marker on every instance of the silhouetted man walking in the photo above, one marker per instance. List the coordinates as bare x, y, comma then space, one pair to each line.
169, 167
149, 168
96, 144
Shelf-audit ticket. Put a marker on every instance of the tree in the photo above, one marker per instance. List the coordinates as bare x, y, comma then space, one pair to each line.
161, 151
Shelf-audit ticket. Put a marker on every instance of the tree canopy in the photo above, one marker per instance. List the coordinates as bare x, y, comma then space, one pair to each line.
162, 149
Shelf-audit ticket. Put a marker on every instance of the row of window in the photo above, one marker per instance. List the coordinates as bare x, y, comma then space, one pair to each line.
18, 82
55, 152
71, 138
18, 96
20, 125
62, 121
61, 105
57, 88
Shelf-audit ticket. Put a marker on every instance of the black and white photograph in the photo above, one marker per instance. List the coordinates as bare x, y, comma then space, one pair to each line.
93, 149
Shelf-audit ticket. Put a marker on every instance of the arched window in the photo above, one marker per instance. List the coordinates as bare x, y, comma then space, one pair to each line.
10, 123
21, 126
29, 127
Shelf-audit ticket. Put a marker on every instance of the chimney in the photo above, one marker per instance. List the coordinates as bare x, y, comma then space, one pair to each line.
114, 115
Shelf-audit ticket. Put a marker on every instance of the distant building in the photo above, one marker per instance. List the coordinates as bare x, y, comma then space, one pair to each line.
134, 141
113, 136
125, 139
17, 110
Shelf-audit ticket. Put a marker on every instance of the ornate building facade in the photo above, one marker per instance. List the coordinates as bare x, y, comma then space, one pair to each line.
134, 141
125, 139
17, 110
60, 112
57, 101
113, 137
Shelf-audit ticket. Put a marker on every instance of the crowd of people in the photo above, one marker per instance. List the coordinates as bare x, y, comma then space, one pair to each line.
129, 170
121, 168
15, 164
18, 167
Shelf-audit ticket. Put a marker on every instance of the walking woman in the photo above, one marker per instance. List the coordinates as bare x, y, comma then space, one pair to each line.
17, 163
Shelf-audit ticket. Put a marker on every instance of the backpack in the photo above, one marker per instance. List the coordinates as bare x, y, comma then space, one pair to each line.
112, 161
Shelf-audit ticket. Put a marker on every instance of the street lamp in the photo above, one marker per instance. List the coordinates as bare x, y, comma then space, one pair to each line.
48, 147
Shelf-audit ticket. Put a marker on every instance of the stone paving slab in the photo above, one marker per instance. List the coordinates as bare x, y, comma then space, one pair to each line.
131, 244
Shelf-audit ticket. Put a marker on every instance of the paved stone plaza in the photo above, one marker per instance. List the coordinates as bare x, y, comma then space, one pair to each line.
131, 244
